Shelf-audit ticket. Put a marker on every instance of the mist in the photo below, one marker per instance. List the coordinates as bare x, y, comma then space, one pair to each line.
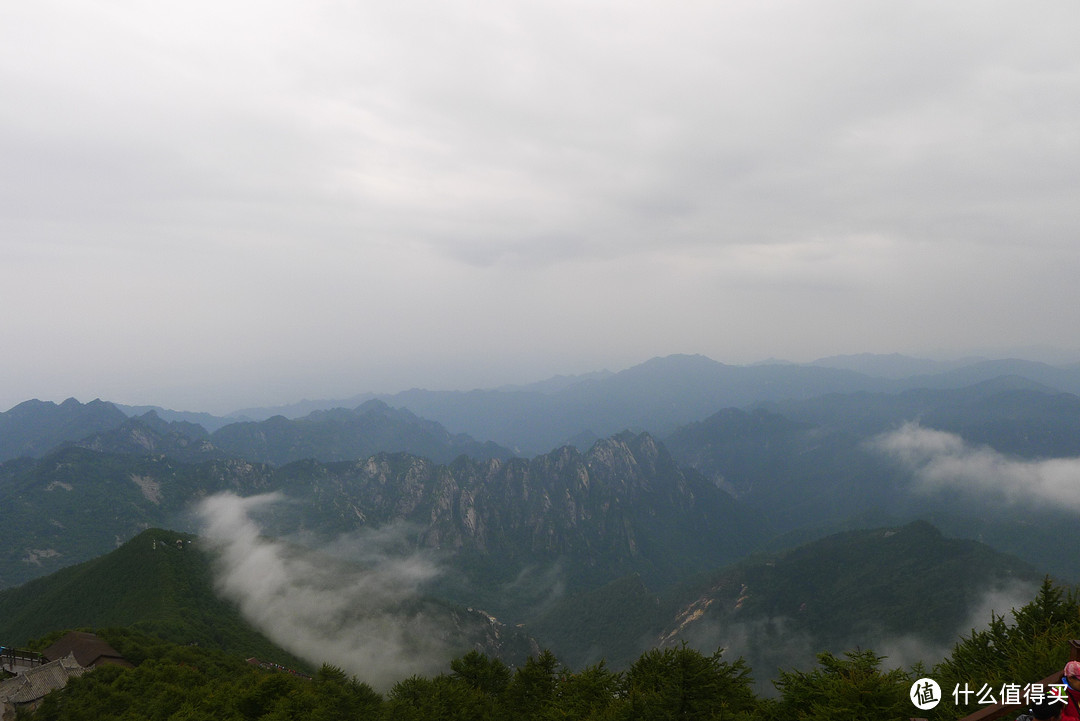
1000, 600
365, 616
771, 644
941, 460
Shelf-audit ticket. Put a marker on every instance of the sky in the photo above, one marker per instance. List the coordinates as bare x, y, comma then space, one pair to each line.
208, 206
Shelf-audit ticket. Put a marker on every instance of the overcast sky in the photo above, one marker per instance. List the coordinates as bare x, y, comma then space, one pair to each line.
212, 205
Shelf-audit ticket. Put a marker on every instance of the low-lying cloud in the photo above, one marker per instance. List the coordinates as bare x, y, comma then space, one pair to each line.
772, 644
941, 460
366, 616
1000, 600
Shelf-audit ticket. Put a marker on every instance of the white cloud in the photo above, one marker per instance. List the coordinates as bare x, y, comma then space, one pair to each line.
942, 460
360, 616
834, 166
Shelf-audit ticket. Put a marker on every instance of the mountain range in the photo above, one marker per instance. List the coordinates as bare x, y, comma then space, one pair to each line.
665, 393
623, 506
607, 512
891, 589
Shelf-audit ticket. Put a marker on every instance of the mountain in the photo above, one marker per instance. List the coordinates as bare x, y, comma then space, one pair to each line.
163, 583
902, 588
298, 409
657, 396
333, 435
35, 427
518, 527
148, 434
159, 581
1011, 414
884, 588
1065, 379
623, 506
794, 472
664, 393
75, 504
340, 434
893, 589
812, 468
811, 461
208, 421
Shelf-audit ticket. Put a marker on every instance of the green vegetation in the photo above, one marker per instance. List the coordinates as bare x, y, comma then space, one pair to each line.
160, 582
182, 683
608, 623
854, 588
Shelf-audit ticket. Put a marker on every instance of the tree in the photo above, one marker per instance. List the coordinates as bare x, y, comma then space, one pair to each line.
1032, 647
683, 683
487, 675
532, 689
592, 693
852, 688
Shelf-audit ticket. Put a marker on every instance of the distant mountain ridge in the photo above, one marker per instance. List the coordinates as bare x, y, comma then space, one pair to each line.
148, 434
341, 434
35, 427
658, 396
662, 394
815, 464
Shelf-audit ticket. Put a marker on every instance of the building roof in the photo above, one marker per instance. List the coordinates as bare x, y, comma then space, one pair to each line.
89, 650
33, 684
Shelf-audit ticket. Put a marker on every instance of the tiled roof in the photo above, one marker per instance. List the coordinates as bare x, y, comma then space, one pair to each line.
35, 683
89, 650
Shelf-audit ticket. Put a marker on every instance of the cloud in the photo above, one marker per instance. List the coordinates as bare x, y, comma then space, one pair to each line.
504, 178
1000, 600
366, 616
941, 460
771, 644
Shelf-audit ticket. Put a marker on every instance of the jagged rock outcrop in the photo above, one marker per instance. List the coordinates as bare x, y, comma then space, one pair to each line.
622, 506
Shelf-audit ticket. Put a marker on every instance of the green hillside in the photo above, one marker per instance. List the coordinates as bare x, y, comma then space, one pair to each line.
865, 589
159, 582
860, 589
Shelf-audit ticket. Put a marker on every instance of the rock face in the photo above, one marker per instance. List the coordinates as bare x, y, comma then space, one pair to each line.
623, 506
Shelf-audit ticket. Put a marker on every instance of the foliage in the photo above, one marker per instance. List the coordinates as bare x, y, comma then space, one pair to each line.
681, 683
1034, 646
184, 683
187, 683
149, 584
487, 675
851, 688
